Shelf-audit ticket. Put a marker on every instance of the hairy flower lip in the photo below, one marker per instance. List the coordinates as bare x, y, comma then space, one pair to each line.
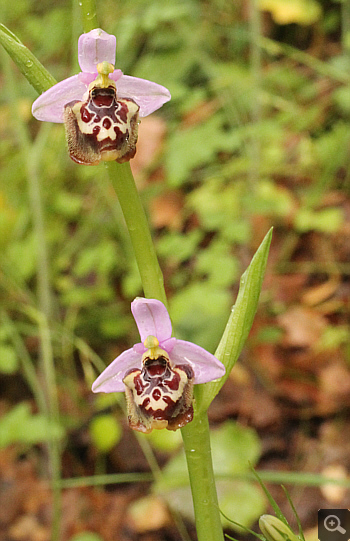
152, 319
93, 48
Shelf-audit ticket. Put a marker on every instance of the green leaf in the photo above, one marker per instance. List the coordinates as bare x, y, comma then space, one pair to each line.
219, 208
86, 536
198, 313
8, 359
27, 63
178, 247
233, 448
105, 432
243, 501
328, 220
239, 323
197, 146
19, 425
165, 440
217, 265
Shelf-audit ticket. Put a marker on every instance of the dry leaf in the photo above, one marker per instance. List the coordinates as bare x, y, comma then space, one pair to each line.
152, 131
149, 513
166, 210
333, 493
303, 326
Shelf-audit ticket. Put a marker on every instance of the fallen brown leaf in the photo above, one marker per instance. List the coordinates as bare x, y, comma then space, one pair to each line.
303, 326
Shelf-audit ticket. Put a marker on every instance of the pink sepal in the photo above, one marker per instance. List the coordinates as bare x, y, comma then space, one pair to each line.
50, 105
152, 318
95, 47
168, 344
206, 367
111, 379
139, 348
148, 95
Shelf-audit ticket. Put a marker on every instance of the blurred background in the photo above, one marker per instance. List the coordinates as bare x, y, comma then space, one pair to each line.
257, 134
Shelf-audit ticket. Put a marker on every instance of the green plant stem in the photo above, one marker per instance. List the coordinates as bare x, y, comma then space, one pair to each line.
200, 468
272, 477
88, 14
137, 224
196, 434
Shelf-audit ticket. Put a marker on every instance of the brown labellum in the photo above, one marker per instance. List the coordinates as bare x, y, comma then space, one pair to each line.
159, 395
101, 128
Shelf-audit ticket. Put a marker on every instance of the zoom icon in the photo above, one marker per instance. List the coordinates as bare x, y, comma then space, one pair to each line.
333, 524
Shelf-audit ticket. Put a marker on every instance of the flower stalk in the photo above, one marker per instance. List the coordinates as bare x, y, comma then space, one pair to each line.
88, 14
136, 221
196, 438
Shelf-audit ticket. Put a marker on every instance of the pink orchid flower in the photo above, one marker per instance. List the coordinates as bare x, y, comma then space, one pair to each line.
100, 106
158, 374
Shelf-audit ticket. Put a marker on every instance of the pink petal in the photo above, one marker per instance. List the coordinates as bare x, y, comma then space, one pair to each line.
95, 47
116, 75
152, 318
168, 344
49, 106
111, 379
206, 367
149, 96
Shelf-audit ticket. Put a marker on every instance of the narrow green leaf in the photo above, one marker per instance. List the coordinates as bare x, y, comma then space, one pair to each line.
272, 501
26, 62
301, 533
239, 323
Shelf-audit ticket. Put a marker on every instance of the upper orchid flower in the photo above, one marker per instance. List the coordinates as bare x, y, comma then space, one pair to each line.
158, 374
100, 106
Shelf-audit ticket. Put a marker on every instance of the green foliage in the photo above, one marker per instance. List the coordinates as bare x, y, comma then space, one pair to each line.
19, 425
8, 359
234, 448
165, 441
327, 220
246, 148
31, 68
199, 313
239, 323
105, 432
86, 536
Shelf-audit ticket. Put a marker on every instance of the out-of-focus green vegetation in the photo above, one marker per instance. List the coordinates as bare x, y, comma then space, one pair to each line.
257, 134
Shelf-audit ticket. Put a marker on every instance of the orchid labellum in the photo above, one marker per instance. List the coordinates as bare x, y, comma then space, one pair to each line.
158, 374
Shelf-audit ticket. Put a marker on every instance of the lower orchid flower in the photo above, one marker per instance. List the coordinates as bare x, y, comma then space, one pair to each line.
158, 374
100, 106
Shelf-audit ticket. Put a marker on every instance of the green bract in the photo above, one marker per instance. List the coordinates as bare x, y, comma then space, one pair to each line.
239, 323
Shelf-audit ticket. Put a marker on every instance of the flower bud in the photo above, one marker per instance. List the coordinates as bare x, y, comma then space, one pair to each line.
275, 530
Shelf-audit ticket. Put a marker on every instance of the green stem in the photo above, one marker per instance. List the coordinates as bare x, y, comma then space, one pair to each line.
88, 14
196, 434
200, 468
137, 224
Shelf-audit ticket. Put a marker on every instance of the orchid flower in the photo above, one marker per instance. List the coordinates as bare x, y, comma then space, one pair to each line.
158, 374
100, 106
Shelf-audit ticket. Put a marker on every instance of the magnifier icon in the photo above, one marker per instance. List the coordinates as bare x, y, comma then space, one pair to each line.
332, 524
